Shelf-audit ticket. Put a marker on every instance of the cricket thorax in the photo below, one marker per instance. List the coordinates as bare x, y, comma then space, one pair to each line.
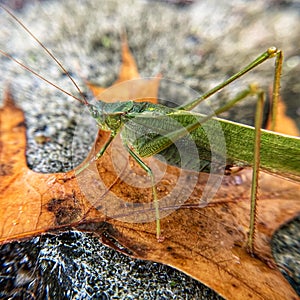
110, 116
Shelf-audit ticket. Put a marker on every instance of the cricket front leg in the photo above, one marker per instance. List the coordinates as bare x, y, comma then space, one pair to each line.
97, 156
154, 192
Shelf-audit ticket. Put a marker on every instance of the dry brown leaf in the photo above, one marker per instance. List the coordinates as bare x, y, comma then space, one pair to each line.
129, 85
284, 124
207, 243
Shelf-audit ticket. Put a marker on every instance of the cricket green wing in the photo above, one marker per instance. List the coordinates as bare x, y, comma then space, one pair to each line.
174, 134
279, 153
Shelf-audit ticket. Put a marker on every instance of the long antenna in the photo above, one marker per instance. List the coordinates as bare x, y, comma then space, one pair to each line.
83, 100
41, 77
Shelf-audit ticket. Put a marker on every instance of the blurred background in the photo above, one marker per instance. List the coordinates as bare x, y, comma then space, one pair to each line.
196, 43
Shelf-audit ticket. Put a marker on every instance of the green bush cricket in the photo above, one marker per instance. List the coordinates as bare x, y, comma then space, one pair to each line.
280, 158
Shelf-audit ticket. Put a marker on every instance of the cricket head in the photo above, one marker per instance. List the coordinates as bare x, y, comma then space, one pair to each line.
110, 116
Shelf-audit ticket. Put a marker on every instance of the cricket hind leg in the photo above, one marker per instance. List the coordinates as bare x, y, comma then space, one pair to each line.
276, 88
154, 191
255, 172
270, 53
256, 156
252, 90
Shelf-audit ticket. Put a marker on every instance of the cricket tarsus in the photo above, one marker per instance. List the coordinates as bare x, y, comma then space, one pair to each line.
112, 117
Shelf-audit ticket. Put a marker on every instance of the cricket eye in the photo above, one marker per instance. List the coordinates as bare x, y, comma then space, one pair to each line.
94, 112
